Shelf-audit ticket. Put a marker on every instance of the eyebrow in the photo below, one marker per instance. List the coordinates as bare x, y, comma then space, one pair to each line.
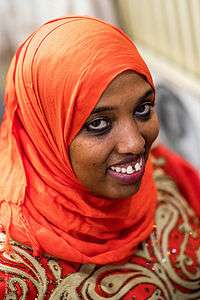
150, 92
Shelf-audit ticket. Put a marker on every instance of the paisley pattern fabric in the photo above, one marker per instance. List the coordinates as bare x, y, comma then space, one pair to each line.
165, 266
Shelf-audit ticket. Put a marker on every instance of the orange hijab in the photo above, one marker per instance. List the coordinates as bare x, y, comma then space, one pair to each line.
54, 82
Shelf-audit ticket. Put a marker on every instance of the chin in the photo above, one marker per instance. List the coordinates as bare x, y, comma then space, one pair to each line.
123, 192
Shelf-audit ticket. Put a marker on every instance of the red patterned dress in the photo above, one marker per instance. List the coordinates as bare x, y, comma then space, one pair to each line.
165, 266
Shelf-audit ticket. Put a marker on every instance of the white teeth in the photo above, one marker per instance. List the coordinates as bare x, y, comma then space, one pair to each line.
123, 170
130, 170
137, 167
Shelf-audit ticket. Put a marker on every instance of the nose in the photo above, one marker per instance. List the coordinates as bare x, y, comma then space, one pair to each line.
129, 139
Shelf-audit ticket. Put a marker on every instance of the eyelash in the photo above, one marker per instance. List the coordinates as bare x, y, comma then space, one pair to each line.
146, 115
108, 124
102, 130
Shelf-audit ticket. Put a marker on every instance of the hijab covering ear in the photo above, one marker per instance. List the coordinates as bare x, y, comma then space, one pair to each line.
54, 82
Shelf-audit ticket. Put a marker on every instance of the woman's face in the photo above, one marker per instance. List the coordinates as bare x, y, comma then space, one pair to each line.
109, 153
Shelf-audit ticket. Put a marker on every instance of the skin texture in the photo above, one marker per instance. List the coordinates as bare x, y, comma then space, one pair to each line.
111, 136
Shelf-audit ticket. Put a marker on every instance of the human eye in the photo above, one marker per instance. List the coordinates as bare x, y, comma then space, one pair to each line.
143, 110
98, 126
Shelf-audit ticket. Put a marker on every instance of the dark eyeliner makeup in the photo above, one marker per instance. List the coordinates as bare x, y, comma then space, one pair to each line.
98, 126
143, 111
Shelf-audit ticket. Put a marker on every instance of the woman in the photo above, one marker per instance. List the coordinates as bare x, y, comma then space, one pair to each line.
86, 211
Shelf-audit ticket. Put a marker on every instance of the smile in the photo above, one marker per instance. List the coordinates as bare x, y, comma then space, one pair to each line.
128, 173
130, 169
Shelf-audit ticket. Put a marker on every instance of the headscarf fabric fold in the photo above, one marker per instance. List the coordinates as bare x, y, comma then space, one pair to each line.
54, 82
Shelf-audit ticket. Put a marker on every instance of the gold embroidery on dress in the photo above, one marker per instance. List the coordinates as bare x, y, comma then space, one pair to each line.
38, 277
115, 281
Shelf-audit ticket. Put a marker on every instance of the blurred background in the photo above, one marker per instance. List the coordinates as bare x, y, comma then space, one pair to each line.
165, 32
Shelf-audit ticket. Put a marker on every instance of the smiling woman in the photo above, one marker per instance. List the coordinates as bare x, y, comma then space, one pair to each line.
109, 154
88, 210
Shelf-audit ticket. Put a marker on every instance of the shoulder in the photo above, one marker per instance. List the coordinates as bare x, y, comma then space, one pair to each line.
184, 175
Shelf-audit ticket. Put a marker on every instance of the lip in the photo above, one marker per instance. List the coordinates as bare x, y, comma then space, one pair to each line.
127, 161
128, 178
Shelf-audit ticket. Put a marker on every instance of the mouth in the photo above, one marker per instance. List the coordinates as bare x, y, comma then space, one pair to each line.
129, 172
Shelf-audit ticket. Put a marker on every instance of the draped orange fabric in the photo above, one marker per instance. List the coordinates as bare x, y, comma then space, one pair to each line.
54, 82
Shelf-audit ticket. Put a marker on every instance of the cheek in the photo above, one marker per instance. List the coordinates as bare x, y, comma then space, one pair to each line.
87, 155
151, 129
154, 127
